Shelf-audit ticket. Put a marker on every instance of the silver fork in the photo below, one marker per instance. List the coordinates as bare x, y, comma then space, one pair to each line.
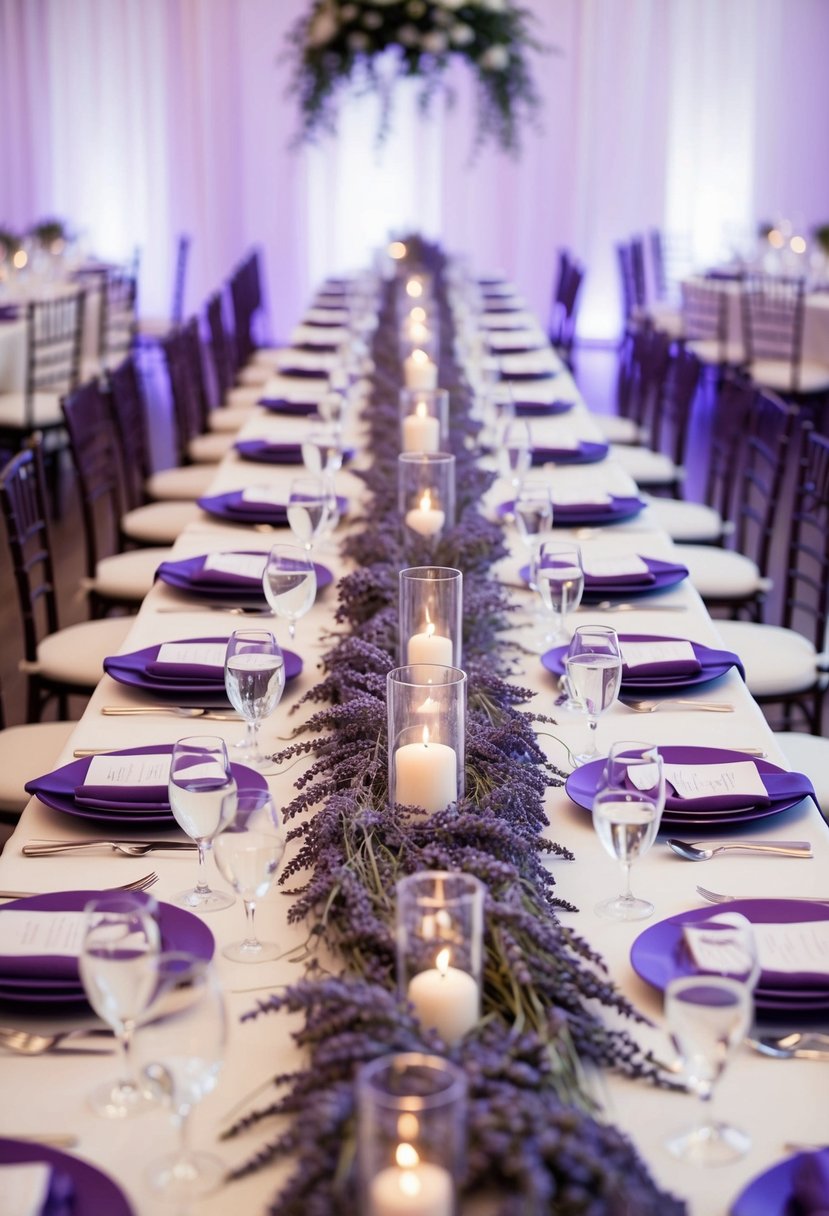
126, 848
138, 884
30, 1043
715, 897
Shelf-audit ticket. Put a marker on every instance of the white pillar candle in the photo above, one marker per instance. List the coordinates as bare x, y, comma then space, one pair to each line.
421, 431
426, 774
419, 371
424, 518
445, 999
430, 647
424, 1189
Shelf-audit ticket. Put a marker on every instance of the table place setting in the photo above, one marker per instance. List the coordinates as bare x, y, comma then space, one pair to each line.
232, 576
189, 668
571, 510
319, 335
531, 366
625, 575
656, 664
255, 505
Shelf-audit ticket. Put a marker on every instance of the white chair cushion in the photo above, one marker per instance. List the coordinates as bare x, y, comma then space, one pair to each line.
647, 468
159, 522
777, 661
616, 429
228, 419
46, 410
667, 318
687, 522
722, 574
255, 374
241, 397
709, 350
807, 754
75, 655
128, 576
776, 374
209, 448
182, 484
267, 356
26, 752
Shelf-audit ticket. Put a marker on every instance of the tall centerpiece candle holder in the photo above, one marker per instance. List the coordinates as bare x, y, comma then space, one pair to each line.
426, 715
411, 1135
440, 918
430, 607
426, 491
424, 419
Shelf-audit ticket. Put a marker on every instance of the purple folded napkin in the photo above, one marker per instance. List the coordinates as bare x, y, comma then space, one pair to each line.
281, 406
225, 578
810, 1185
780, 787
60, 1200
276, 512
543, 455
638, 578
191, 672
538, 409
304, 373
124, 797
271, 453
663, 667
8, 312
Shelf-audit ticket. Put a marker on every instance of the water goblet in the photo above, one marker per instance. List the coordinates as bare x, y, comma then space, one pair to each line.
557, 574
322, 451
200, 780
248, 852
332, 404
593, 665
533, 511
254, 682
116, 963
179, 1047
308, 506
627, 811
289, 583
515, 452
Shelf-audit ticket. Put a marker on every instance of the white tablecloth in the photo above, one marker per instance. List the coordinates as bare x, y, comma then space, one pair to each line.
775, 1102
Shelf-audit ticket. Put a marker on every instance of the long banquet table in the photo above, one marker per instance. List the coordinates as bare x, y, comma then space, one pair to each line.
776, 1102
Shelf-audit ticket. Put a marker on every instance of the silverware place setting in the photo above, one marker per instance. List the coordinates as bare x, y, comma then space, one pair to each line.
693, 851
651, 707
32, 1043
795, 1046
178, 711
714, 897
126, 848
137, 884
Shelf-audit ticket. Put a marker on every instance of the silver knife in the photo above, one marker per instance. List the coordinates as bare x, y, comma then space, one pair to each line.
179, 711
43, 848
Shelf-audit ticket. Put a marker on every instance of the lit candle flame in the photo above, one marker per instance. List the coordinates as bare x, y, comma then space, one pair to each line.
420, 357
425, 503
417, 313
414, 288
397, 250
425, 736
406, 1156
442, 962
422, 409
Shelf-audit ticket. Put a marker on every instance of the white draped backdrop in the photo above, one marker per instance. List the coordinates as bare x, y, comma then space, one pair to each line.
139, 119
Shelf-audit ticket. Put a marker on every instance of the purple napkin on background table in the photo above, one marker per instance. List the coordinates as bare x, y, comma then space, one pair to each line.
643, 578
304, 373
664, 667
282, 406
60, 1200
9, 312
277, 512
192, 672
810, 1185
224, 578
273, 453
124, 797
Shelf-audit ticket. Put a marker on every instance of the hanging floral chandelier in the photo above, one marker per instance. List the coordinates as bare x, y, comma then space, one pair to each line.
372, 44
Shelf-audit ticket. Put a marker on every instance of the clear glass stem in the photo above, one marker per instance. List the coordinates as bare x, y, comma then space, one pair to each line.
202, 887
627, 893
251, 941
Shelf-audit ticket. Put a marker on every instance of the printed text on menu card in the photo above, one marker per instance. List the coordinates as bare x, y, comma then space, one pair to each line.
715, 780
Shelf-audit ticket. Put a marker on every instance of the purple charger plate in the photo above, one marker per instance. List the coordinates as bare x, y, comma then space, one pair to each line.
296, 409
768, 1193
262, 451
223, 507
576, 515
94, 1191
580, 787
59, 795
180, 930
130, 669
666, 574
180, 574
656, 957
542, 409
587, 452
714, 664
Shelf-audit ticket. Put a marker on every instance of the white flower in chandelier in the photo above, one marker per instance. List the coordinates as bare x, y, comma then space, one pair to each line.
435, 42
323, 28
461, 34
495, 58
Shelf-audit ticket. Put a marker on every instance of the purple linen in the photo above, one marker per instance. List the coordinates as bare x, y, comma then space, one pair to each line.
304, 373
190, 673
224, 578
266, 452
634, 578
778, 786
92, 1190
712, 665
667, 667
125, 797
280, 406
810, 1185
542, 409
234, 505
586, 453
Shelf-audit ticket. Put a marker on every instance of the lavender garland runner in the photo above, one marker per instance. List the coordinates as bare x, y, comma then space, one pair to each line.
535, 1139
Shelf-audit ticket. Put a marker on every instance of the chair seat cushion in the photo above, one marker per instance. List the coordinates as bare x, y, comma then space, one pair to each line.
46, 411
25, 752
687, 522
776, 374
807, 754
255, 374
666, 317
209, 448
159, 523
617, 429
709, 350
720, 574
186, 483
228, 419
267, 356
128, 576
75, 655
647, 468
243, 397
777, 661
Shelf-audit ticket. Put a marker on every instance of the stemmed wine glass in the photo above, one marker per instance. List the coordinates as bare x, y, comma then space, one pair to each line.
117, 968
289, 583
200, 780
308, 507
179, 1047
533, 511
248, 852
557, 574
322, 451
515, 452
254, 682
708, 1016
594, 674
627, 811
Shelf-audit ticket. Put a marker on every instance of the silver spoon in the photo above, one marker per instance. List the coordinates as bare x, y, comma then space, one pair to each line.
782, 848
794, 1046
